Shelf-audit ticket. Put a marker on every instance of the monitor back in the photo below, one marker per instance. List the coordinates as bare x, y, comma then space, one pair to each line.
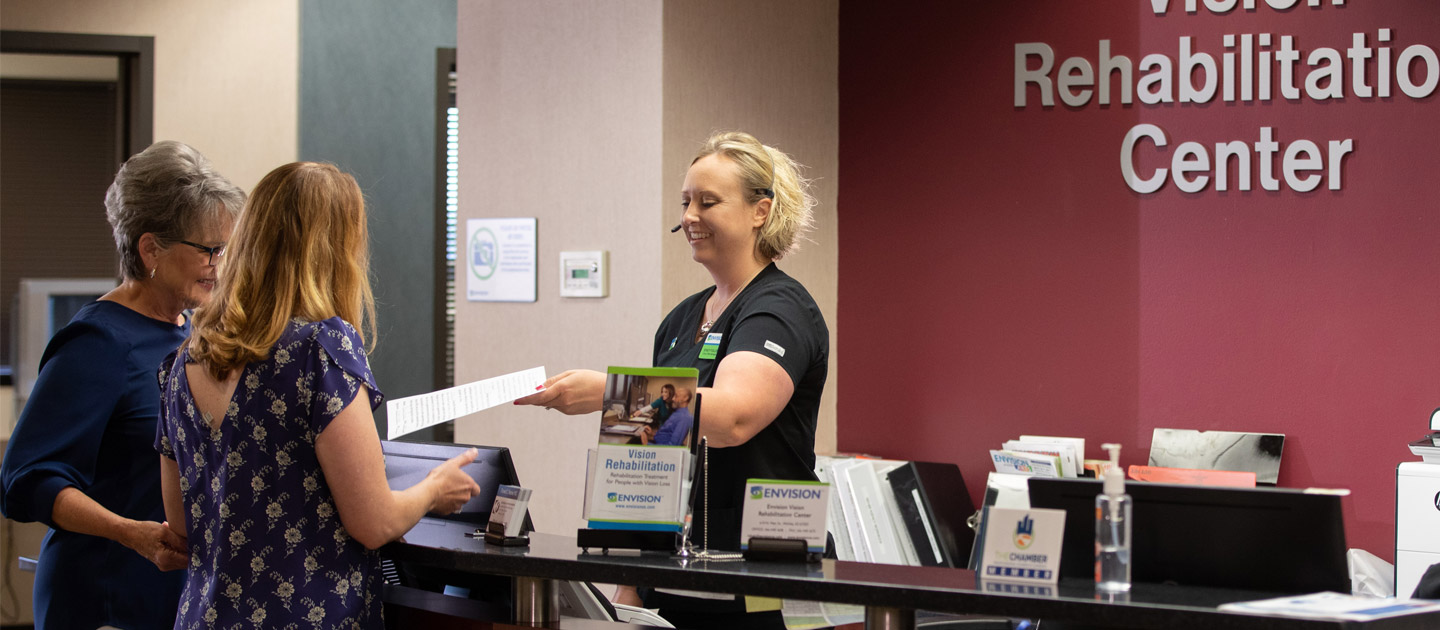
407, 463
1265, 539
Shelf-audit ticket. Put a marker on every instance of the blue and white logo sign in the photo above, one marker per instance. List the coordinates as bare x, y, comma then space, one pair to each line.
484, 254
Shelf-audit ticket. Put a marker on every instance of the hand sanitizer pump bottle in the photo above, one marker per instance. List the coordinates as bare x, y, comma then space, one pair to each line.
1112, 528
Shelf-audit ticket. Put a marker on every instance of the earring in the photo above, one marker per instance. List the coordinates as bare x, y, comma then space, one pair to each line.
152, 273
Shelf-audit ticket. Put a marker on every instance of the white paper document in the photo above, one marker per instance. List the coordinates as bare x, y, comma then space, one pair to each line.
408, 415
1329, 605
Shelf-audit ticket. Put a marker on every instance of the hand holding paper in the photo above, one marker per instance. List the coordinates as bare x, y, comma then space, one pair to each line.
570, 392
408, 415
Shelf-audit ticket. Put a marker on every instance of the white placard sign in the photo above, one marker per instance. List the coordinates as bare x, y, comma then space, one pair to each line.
785, 509
1022, 545
499, 260
637, 485
410, 414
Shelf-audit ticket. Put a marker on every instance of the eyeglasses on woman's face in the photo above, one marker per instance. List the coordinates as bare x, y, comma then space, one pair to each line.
213, 252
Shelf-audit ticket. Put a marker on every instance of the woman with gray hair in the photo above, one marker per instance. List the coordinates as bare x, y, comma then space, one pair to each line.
80, 459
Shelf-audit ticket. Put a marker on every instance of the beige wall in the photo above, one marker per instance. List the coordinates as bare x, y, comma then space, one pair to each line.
560, 119
770, 69
586, 116
226, 73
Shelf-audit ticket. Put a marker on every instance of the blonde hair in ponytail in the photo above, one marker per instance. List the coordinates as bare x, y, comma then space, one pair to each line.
766, 168
300, 250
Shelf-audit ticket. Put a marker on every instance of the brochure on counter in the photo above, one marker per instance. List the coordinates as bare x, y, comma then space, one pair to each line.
1028, 464
1041, 456
638, 474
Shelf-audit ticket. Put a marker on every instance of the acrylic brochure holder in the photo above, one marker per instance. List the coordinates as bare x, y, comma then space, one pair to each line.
637, 485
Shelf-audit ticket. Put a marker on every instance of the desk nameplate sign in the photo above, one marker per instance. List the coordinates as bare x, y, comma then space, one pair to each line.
1022, 545
787, 510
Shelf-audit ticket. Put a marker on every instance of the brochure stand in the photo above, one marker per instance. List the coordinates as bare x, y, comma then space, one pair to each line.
642, 538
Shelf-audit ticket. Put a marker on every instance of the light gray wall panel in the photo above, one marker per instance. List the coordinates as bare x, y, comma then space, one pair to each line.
367, 97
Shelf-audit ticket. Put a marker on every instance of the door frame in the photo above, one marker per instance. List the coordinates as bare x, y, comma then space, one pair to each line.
136, 54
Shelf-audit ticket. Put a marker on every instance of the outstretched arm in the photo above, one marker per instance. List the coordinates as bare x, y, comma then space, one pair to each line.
354, 467
571, 392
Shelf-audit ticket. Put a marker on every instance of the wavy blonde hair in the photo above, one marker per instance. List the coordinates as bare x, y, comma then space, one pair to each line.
301, 249
761, 167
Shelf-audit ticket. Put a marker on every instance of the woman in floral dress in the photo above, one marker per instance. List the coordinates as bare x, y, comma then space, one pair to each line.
271, 464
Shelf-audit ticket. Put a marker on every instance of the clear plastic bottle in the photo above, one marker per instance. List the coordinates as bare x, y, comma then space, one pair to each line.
1113, 509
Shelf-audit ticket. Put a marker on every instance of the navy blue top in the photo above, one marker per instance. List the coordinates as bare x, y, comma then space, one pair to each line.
89, 424
267, 548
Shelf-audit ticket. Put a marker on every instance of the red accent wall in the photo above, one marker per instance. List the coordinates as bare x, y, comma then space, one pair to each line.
998, 277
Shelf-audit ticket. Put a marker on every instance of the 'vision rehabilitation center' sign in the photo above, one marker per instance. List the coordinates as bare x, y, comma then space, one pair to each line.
1250, 67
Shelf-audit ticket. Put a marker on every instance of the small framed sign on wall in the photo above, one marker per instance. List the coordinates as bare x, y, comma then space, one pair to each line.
500, 260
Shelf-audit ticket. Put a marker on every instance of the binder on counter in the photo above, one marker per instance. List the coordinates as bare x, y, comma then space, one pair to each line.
835, 517
868, 515
935, 506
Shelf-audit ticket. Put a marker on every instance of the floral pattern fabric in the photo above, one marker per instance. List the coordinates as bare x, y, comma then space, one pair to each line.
267, 548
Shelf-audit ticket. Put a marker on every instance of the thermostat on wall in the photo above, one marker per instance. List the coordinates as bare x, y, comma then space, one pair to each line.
585, 274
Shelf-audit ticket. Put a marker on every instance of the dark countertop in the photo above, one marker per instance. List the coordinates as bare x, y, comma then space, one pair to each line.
443, 545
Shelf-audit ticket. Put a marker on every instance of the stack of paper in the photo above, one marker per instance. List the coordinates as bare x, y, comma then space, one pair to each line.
1428, 448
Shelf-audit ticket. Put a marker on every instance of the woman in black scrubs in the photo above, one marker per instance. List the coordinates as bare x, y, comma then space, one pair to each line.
756, 336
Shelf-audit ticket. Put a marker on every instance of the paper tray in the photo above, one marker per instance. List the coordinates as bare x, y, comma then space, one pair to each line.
1428, 448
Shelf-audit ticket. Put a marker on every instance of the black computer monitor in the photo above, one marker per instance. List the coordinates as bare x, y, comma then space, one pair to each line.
406, 463
1265, 539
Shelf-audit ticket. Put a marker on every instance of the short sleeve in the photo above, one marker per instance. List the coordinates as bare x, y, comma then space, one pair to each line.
342, 369
56, 442
779, 324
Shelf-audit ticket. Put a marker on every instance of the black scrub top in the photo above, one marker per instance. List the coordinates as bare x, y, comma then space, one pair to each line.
776, 317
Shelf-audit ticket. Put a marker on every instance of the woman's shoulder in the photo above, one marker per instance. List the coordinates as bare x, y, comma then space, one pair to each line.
333, 328
96, 326
689, 305
334, 337
774, 286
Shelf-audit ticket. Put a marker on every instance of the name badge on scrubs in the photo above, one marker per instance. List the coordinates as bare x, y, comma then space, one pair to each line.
711, 347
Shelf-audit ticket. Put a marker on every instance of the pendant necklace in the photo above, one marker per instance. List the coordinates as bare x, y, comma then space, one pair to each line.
710, 322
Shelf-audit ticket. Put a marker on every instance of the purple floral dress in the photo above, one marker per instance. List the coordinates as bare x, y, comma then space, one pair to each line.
267, 549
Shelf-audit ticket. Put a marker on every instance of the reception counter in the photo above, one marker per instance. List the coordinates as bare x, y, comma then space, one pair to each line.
890, 593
